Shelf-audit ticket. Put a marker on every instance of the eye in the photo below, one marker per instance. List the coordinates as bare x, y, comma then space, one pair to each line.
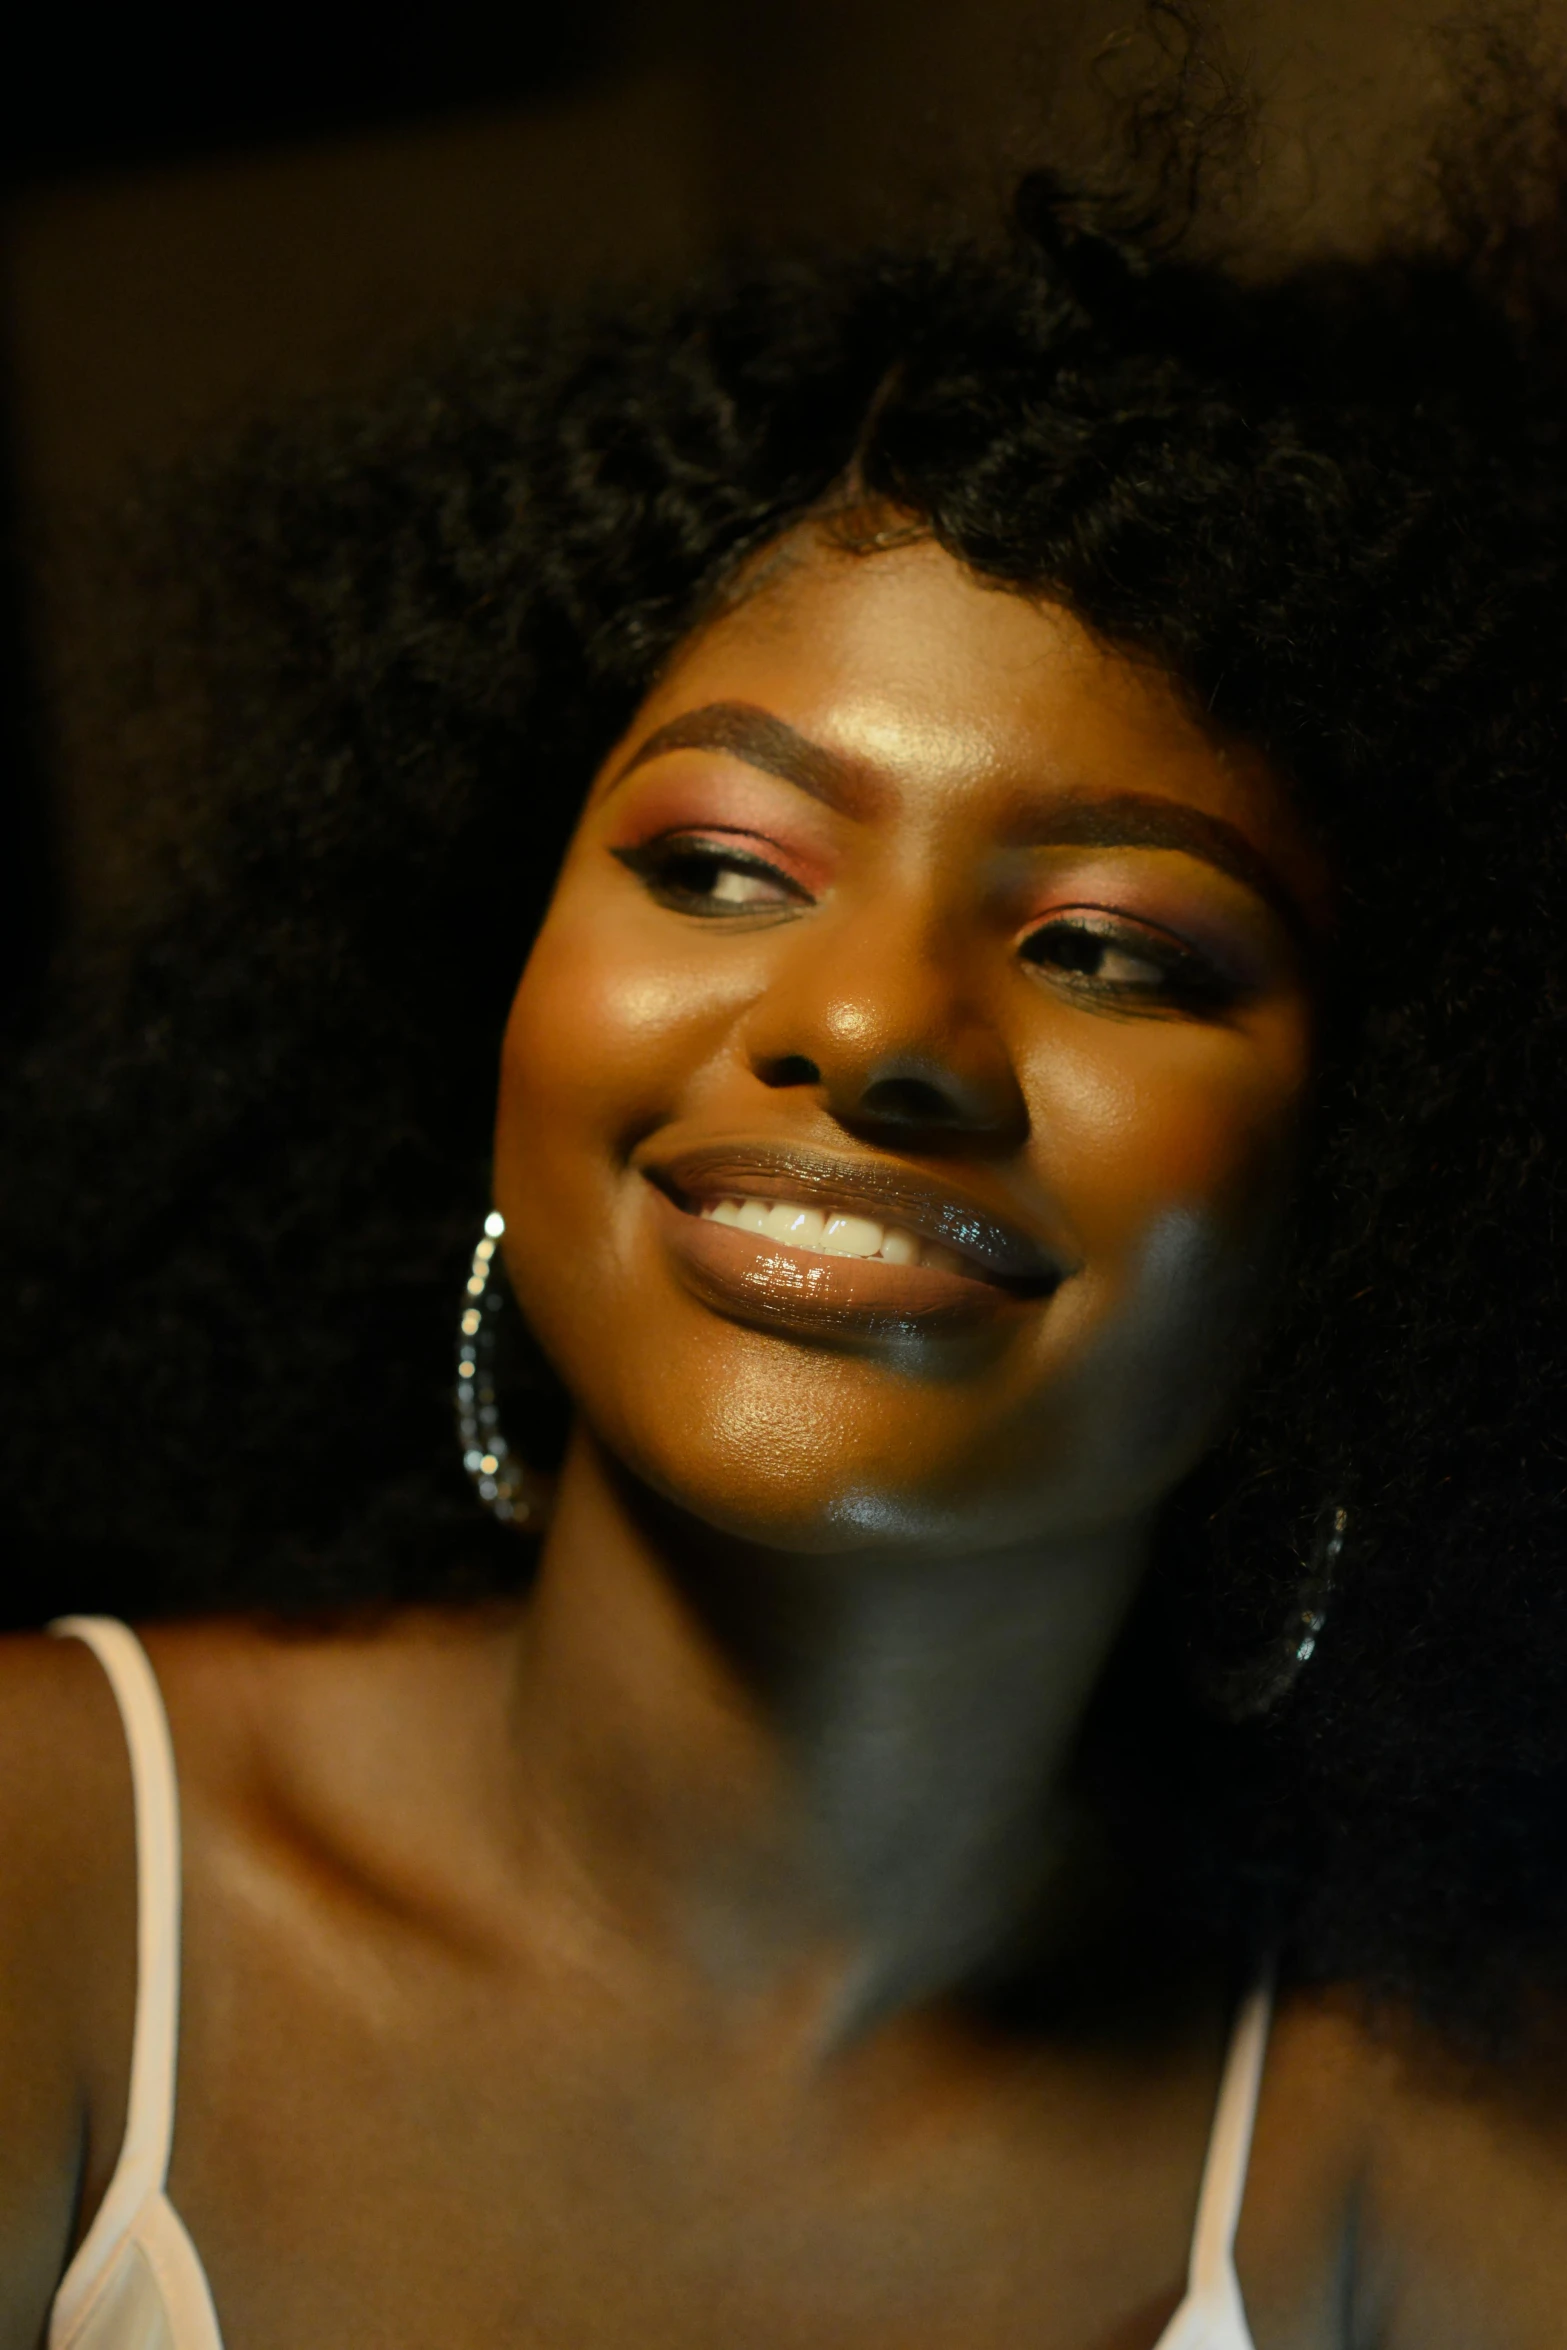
1126, 961
710, 877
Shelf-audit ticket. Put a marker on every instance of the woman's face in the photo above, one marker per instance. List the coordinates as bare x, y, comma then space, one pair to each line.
899, 1100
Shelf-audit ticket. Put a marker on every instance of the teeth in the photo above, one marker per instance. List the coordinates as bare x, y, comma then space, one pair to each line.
802, 1225
852, 1236
830, 1235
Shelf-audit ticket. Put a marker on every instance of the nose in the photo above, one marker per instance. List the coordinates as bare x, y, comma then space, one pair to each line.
881, 1021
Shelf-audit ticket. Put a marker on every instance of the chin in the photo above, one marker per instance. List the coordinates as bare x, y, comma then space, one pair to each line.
806, 1474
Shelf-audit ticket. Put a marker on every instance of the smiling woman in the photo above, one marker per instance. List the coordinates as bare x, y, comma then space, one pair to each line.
998, 808
908, 901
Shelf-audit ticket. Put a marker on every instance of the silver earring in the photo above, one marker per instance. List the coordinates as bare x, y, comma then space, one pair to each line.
1252, 1692
512, 1491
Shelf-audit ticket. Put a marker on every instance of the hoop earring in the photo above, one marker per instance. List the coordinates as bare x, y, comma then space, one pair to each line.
1253, 1691
505, 1484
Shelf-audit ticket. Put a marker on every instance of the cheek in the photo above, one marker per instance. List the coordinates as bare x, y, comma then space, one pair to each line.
615, 1029
597, 1037
581, 1033
1171, 1152
1146, 1121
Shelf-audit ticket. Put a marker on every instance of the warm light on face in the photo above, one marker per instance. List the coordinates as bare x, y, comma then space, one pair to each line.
900, 1098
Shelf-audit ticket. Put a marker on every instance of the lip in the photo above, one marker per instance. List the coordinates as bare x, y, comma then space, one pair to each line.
998, 1250
773, 1283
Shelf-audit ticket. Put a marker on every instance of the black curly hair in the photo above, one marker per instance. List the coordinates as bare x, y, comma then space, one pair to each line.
388, 643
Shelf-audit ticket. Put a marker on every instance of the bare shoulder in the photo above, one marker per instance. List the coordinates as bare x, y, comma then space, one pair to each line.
67, 1964
1296, 2245
1406, 2194
355, 1748
315, 1709
1461, 2206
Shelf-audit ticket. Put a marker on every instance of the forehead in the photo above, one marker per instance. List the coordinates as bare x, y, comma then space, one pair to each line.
940, 687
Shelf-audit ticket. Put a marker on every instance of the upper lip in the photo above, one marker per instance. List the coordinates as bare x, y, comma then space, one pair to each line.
879, 1188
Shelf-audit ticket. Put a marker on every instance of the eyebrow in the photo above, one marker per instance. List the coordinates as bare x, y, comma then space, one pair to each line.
759, 739
1070, 819
1145, 820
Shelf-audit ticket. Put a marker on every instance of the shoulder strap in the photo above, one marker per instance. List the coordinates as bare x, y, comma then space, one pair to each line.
149, 2120
1212, 2271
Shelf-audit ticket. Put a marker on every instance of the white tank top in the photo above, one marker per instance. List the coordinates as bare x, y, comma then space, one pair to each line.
137, 2282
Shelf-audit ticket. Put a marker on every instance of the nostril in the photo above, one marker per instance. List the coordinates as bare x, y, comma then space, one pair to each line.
790, 1069
908, 1101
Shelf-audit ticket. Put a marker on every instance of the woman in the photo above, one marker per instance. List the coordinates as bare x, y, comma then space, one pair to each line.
1021, 1143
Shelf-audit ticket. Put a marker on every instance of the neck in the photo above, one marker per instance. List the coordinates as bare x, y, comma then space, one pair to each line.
845, 1770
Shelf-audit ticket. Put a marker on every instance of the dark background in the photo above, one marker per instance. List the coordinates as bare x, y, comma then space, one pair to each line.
203, 212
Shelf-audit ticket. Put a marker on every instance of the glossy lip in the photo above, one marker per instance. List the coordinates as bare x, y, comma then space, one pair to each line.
774, 1286
1000, 1254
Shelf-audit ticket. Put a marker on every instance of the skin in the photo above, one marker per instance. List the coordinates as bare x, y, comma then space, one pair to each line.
891, 1534
600, 1969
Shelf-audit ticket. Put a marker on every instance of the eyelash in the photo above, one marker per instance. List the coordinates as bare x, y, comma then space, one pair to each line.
657, 864
1187, 980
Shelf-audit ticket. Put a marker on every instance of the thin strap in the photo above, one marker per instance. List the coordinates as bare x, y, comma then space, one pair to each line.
1212, 2271
143, 2166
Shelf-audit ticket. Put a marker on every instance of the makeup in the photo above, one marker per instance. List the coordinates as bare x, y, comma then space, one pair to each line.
829, 1246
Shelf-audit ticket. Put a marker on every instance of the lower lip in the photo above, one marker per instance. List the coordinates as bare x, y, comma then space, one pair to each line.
750, 1278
